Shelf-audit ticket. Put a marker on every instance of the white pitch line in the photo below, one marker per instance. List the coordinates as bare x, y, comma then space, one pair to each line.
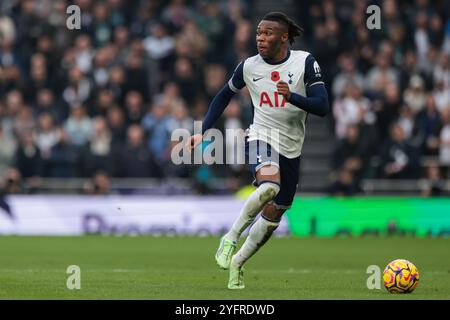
129, 270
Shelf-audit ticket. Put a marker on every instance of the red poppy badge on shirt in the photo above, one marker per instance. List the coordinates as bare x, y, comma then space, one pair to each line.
275, 76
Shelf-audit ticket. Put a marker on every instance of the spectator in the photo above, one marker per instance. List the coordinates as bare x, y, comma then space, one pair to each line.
170, 94
421, 39
350, 153
348, 74
119, 12
444, 141
135, 159
39, 78
381, 75
243, 43
13, 105
24, 121
216, 76
386, 108
190, 42
84, 53
45, 103
212, 23
441, 95
116, 124
102, 61
102, 28
364, 47
179, 118
63, 158
8, 147
345, 185
134, 107
442, 70
28, 158
116, 83
144, 14
45, 46
79, 88
415, 95
406, 121
100, 184
98, 153
104, 101
428, 124
446, 44
11, 182
7, 28
176, 14
159, 45
352, 108
234, 155
121, 44
399, 158
434, 185
156, 125
78, 126
46, 135
407, 68
186, 80
397, 38
136, 74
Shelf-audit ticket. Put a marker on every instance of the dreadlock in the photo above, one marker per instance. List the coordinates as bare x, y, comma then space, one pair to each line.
293, 29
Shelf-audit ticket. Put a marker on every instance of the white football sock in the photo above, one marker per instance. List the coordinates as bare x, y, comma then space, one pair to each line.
254, 204
259, 233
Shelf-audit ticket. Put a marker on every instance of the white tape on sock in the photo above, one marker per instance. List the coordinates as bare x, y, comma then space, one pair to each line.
254, 204
259, 233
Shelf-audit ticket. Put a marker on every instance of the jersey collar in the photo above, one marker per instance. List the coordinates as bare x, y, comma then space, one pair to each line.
281, 61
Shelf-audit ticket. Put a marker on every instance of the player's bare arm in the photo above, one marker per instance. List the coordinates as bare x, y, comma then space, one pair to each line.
194, 141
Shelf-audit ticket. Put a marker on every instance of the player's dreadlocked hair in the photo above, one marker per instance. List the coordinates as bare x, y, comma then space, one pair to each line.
293, 29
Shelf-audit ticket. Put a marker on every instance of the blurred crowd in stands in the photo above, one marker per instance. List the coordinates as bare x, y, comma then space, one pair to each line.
102, 101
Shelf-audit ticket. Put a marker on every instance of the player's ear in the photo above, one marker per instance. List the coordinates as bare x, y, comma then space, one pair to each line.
284, 37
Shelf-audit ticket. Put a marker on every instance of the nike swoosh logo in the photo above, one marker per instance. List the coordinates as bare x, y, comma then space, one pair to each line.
256, 79
407, 278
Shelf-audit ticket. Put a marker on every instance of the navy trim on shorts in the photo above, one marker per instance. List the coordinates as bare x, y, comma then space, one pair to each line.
267, 181
270, 220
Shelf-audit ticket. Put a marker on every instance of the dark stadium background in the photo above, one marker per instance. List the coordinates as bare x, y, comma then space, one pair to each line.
100, 103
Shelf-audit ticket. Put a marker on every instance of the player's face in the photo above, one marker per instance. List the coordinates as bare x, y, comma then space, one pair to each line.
270, 37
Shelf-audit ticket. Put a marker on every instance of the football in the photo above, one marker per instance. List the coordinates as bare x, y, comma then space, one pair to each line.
401, 276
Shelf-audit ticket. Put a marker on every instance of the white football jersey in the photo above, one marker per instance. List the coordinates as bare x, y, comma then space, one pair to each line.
271, 110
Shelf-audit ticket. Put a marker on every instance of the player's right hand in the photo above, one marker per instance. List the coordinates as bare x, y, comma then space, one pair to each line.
194, 141
283, 89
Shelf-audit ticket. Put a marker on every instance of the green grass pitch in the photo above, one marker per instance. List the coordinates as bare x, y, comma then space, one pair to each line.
184, 268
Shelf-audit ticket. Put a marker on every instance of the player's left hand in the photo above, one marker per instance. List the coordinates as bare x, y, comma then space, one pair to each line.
194, 141
283, 89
